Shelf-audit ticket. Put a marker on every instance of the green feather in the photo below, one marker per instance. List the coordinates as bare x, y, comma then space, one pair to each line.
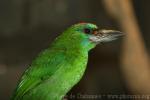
57, 69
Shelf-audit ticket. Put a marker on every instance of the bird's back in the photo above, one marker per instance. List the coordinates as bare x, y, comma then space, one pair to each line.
51, 75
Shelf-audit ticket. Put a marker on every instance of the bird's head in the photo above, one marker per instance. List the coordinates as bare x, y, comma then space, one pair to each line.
89, 35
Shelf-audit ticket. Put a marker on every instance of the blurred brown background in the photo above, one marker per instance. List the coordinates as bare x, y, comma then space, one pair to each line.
29, 26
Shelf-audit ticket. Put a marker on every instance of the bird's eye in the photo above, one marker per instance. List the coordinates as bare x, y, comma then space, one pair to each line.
87, 31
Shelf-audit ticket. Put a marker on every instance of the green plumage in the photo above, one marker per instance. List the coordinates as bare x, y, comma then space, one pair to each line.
57, 69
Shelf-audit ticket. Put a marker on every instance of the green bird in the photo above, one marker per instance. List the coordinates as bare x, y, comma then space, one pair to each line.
58, 68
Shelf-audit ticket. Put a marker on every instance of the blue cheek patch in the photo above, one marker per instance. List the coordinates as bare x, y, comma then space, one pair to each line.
86, 43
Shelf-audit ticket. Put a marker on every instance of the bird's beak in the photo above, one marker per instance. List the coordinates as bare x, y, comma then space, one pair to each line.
105, 35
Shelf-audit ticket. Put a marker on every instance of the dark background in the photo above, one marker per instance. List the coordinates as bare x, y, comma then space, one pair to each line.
29, 26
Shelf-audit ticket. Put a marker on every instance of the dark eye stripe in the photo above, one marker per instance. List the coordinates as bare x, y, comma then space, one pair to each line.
86, 30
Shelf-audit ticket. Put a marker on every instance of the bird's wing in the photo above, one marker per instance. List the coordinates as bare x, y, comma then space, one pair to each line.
41, 69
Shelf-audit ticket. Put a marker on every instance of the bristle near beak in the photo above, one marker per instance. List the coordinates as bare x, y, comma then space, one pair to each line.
105, 35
